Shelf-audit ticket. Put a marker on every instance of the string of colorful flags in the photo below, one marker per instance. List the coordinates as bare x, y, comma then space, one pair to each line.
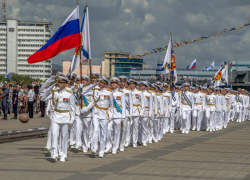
155, 50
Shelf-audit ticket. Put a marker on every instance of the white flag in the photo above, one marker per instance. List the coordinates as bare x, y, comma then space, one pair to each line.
86, 51
221, 76
167, 61
75, 63
211, 66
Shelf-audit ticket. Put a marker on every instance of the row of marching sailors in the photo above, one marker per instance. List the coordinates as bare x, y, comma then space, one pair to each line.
119, 111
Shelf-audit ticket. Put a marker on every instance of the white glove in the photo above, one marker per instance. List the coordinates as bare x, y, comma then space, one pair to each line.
47, 113
82, 110
80, 86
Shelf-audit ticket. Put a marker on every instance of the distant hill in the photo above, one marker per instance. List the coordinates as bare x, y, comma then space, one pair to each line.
56, 67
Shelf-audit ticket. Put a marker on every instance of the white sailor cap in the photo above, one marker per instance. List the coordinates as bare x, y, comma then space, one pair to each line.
144, 83
158, 83
158, 87
59, 74
72, 76
114, 80
103, 79
186, 84
63, 79
78, 78
95, 75
197, 85
85, 77
123, 78
192, 88
211, 87
132, 81
153, 86
165, 84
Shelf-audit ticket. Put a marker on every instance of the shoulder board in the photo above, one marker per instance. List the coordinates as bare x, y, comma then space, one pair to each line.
54, 90
138, 90
68, 86
109, 89
120, 91
96, 89
159, 94
69, 91
77, 84
127, 88
149, 91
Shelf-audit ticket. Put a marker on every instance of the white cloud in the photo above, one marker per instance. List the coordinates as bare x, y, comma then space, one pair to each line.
149, 19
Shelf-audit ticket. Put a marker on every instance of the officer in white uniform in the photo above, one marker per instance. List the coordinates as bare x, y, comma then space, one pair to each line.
114, 126
174, 102
211, 100
138, 108
167, 107
63, 115
154, 120
187, 107
126, 124
85, 104
146, 112
239, 99
158, 115
102, 113
199, 105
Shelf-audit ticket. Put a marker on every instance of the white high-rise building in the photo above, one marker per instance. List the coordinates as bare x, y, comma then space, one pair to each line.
19, 40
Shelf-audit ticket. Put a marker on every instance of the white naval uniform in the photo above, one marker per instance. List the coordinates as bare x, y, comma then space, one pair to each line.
63, 114
199, 105
225, 112
146, 116
211, 100
155, 118
126, 128
167, 111
114, 126
173, 112
102, 113
233, 107
83, 119
186, 111
158, 120
239, 107
138, 108
245, 107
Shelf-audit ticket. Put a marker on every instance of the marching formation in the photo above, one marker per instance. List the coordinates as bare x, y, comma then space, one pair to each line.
108, 115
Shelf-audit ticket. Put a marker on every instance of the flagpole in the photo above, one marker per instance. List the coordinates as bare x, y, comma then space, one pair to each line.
170, 80
80, 50
196, 71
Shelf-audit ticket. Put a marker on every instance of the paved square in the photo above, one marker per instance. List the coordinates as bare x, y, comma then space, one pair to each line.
199, 155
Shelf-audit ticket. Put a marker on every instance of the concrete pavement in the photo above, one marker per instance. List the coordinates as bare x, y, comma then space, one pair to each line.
199, 155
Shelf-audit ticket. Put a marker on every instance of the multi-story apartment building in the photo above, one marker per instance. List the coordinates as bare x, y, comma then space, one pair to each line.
117, 63
19, 40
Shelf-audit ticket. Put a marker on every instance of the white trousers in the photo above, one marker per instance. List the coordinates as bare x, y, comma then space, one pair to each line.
210, 116
48, 145
99, 124
143, 135
197, 118
186, 119
160, 129
113, 132
166, 124
173, 117
155, 131
135, 129
124, 125
72, 138
78, 131
151, 130
64, 129
129, 130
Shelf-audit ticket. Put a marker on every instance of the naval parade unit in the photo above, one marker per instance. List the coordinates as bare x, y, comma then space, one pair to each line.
108, 115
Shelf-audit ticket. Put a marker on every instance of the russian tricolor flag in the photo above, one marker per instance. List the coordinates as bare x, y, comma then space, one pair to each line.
192, 65
67, 37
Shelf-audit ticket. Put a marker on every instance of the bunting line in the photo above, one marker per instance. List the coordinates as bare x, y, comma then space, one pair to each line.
155, 50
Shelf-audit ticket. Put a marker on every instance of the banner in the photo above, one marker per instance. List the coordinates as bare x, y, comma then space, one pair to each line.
221, 76
159, 49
